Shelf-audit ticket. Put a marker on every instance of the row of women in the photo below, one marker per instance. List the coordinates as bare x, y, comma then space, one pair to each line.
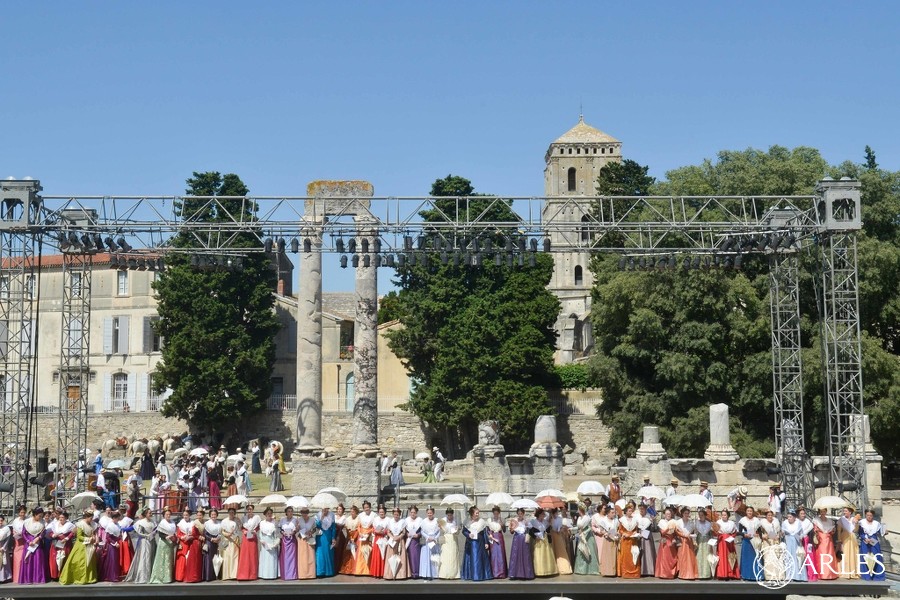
611, 542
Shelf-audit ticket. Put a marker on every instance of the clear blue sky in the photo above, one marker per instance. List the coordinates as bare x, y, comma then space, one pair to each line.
130, 97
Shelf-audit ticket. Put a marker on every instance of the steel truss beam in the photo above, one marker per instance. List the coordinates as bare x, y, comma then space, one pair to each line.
74, 375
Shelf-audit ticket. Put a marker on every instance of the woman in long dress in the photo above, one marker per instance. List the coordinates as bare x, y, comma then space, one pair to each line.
703, 529
340, 536
428, 472
81, 566
212, 532
351, 542
414, 541
792, 530
164, 560
18, 542
34, 567
827, 566
496, 526
646, 526
365, 532
585, 546
667, 554
379, 544
476, 565
306, 546
248, 562
126, 549
230, 545
449, 547
278, 469
325, 543
559, 531
687, 551
607, 554
288, 527
726, 534
189, 555
396, 562
773, 557
6, 540
848, 532
811, 556
430, 552
61, 538
748, 527
871, 558
142, 561
544, 559
269, 544
629, 545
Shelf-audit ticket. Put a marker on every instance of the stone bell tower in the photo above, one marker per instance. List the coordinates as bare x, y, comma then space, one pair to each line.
573, 164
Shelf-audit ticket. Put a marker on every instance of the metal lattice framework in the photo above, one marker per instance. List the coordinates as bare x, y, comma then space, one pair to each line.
732, 227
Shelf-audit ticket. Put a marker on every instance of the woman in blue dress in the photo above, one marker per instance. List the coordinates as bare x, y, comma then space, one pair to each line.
871, 559
269, 545
325, 543
751, 569
792, 528
476, 564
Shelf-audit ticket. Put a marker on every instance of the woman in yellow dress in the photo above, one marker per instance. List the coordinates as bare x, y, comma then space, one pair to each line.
559, 538
230, 545
848, 530
544, 558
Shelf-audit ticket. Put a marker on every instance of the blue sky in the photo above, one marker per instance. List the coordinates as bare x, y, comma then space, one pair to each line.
129, 97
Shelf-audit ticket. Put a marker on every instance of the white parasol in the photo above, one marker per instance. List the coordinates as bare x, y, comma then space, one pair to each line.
234, 458
456, 500
236, 499
278, 445
394, 564
550, 493
675, 500
338, 493
572, 497
526, 503
179, 452
273, 500
695, 501
636, 554
297, 502
423, 456
199, 452
650, 491
117, 464
831, 502
324, 500
590, 487
621, 502
83, 501
501, 499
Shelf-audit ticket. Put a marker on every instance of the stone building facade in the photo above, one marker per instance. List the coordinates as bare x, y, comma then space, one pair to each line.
573, 163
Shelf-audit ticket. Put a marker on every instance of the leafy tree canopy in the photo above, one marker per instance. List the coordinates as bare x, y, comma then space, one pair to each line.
218, 325
478, 341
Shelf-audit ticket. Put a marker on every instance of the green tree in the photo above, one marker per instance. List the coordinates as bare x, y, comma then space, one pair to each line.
479, 341
218, 325
870, 159
627, 178
389, 308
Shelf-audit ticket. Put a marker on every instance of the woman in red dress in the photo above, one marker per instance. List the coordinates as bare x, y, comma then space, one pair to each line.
726, 532
189, 556
126, 552
61, 534
379, 544
248, 561
667, 555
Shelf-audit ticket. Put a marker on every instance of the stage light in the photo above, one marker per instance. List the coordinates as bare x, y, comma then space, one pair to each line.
488, 246
344, 261
110, 244
280, 245
412, 259
307, 246
98, 242
376, 245
509, 245
456, 257
521, 244
73, 239
390, 260
364, 245
498, 260
355, 261
531, 260
509, 260
695, 264
673, 262
339, 245
351, 246
738, 259
546, 244
407, 242
295, 245
401, 260
113, 261
123, 244
267, 245
444, 258
687, 263
533, 244
631, 264
366, 260
421, 242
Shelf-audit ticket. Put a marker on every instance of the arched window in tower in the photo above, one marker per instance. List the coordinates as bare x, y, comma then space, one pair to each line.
571, 179
579, 275
584, 231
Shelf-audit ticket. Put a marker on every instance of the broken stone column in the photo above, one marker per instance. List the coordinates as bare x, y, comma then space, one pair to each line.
490, 471
547, 460
720, 448
650, 449
365, 343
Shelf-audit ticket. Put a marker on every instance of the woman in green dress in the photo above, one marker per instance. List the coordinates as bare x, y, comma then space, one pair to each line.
705, 565
586, 562
164, 560
428, 472
81, 565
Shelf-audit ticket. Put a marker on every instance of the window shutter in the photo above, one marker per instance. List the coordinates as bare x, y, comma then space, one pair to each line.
123, 335
143, 394
131, 394
107, 335
4, 339
148, 335
108, 384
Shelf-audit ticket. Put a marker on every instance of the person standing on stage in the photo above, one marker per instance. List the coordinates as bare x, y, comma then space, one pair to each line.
439, 464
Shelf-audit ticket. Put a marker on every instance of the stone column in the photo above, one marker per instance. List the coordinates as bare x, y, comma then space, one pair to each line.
720, 448
309, 340
650, 449
365, 343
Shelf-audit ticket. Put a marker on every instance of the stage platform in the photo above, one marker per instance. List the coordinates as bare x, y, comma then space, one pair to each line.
572, 586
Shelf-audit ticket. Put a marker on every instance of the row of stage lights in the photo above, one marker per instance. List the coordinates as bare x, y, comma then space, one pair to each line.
729, 255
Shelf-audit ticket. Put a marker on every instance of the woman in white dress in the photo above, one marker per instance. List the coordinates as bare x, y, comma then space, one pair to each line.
269, 544
773, 563
430, 554
230, 545
449, 547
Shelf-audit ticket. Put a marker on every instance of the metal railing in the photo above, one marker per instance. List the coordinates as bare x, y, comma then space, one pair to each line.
132, 405
282, 402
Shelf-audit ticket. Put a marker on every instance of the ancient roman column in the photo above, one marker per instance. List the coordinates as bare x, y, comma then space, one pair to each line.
720, 447
309, 335
365, 343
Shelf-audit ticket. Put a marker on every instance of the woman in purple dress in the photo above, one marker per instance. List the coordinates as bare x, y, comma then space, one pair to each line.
110, 535
498, 546
521, 564
288, 525
34, 567
414, 541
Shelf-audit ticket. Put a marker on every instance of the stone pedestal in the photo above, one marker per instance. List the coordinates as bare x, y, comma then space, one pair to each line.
650, 449
720, 448
358, 477
490, 471
547, 464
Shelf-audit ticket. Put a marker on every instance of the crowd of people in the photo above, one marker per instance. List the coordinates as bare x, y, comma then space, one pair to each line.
606, 538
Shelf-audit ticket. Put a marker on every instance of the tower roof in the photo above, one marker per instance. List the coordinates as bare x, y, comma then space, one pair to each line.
583, 133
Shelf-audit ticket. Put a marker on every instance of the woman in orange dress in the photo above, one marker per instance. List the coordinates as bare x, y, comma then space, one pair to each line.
667, 554
248, 561
629, 545
365, 532
347, 560
687, 552
189, 556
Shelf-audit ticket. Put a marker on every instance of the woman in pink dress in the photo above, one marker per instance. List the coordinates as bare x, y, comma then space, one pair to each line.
826, 564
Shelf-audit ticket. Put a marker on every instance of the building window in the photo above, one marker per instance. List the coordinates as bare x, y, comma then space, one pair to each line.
30, 286
571, 179
122, 283
4, 287
350, 390
152, 339
578, 151
570, 151
346, 340
579, 276
603, 151
562, 150
278, 386
595, 151
120, 391
115, 335
584, 230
